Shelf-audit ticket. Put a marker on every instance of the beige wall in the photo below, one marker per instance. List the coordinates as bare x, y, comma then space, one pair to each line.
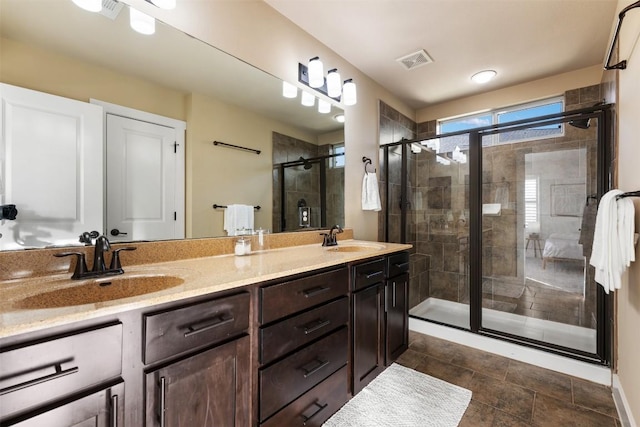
257, 34
513, 95
628, 298
65, 76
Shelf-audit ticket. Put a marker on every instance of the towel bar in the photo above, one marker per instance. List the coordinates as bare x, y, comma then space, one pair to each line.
216, 206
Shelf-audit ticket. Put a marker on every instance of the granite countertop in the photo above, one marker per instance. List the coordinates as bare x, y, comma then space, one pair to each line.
24, 309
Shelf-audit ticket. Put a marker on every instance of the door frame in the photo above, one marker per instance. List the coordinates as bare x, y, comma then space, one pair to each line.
180, 127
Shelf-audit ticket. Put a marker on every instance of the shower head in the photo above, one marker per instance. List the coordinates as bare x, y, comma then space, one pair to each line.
581, 123
584, 123
306, 163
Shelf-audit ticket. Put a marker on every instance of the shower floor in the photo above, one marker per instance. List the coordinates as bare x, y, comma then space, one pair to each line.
457, 314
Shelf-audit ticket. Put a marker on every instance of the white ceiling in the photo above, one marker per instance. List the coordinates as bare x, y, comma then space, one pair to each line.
523, 40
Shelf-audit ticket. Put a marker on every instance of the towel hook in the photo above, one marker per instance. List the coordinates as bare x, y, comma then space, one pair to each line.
367, 161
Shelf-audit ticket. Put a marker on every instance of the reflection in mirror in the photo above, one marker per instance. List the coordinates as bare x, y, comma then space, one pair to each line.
56, 48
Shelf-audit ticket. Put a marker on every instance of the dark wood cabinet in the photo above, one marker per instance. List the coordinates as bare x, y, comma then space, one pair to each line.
397, 319
103, 408
380, 317
303, 349
367, 330
210, 388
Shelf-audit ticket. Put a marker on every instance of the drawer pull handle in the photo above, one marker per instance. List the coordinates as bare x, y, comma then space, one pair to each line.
58, 374
205, 326
401, 265
114, 410
315, 291
162, 416
312, 327
309, 372
306, 419
371, 275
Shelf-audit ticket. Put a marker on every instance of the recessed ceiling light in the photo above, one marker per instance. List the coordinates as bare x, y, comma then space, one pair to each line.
483, 76
339, 118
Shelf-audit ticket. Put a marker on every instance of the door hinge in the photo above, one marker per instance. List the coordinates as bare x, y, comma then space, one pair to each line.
175, 216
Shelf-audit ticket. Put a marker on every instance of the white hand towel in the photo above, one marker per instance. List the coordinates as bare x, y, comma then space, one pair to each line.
613, 247
370, 193
238, 217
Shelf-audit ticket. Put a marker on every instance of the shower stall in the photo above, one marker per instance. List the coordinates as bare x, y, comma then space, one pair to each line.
308, 193
501, 219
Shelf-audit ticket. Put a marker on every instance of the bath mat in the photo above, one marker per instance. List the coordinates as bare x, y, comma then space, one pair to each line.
402, 397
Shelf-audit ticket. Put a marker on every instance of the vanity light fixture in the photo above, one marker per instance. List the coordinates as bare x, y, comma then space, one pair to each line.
89, 5
324, 107
141, 22
330, 86
307, 99
484, 76
334, 83
289, 90
339, 118
316, 73
349, 96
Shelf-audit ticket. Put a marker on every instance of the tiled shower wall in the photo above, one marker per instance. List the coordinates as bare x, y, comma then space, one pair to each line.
305, 184
438, 262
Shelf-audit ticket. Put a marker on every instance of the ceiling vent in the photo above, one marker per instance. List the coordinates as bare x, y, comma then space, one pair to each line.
415, 60
111, 8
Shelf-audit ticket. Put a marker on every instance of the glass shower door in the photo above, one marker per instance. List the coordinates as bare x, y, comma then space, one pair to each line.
537, 226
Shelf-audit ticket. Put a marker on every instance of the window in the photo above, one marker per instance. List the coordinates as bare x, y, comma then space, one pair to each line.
517, 112
338, 161
531, 215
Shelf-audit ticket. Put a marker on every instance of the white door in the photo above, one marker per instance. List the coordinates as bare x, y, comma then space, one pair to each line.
145, 167
51, 168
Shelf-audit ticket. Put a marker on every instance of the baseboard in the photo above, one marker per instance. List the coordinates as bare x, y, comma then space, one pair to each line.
565, 365
622, 404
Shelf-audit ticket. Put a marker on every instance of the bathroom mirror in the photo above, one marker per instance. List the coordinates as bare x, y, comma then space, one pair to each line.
169, 70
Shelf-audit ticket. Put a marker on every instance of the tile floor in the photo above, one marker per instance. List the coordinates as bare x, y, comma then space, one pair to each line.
511, 393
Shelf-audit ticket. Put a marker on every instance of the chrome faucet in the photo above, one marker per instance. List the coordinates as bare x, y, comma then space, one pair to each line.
330, 238
99, 267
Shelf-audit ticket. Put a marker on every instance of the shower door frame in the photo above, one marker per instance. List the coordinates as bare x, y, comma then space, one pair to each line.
604, 302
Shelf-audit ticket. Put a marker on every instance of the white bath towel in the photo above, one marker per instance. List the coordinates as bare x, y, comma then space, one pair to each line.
238, 217
370, 193
613, 246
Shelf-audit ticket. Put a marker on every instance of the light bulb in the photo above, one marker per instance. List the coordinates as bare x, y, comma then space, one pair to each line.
316, 73
307, 99
141, 22
90, 5
324, 107
349, 96
165, 4
289, 90
334, 84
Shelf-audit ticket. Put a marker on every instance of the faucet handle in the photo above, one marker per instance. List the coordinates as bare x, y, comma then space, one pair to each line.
81, 264
115, 258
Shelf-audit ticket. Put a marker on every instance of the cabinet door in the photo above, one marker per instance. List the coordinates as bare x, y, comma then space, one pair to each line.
104, 408
368, 351
210, 388
397, 324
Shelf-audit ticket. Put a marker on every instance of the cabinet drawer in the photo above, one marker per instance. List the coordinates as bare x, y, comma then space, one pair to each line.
178, 330
284, 381
315, 406
287, 298
368, 273
287, 335
33, 375
397, 264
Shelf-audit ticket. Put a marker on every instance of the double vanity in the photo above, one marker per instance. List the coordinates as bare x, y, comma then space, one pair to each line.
282, 337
